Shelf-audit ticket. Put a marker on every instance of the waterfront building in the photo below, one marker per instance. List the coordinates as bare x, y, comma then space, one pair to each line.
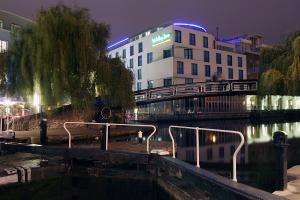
10, 23
251, 46
178, 53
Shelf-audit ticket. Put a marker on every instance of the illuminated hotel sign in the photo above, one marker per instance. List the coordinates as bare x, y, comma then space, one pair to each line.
162, 38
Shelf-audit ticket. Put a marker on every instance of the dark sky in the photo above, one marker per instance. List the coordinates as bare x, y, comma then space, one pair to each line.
272, 18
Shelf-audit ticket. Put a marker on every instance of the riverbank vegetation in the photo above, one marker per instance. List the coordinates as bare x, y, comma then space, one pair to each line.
61, 59
280, 72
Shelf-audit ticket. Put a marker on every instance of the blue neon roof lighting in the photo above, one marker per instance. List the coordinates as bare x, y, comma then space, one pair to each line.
191, 25
117, 43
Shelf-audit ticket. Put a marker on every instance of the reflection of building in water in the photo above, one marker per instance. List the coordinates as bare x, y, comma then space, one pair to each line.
214, 147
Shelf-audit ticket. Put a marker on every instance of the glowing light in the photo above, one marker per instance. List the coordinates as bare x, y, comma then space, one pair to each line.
119, 42
191, 25
214, 139
36, 101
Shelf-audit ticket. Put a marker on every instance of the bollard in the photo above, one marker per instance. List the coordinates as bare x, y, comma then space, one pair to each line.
140, 137
280, 150
43, 132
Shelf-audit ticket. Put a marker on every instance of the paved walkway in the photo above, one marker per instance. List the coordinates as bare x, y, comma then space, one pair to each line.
293, 187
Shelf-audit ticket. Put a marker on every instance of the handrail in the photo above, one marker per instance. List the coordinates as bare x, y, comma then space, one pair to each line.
106, 134
198, 148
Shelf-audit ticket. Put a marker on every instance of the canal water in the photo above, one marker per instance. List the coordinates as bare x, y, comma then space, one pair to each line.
256, 158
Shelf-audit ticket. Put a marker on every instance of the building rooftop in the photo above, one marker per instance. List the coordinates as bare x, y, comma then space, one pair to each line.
153, 30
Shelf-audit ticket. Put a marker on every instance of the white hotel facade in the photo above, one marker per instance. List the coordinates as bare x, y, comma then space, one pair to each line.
178, 53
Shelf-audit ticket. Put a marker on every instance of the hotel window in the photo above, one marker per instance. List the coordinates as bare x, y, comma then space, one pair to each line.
229, 60
149, 58
240, 61
140, 47
167, 53
180, 67
188, 53
3, 46
1, 24
207, 70
194, 69
140, 61
150, 84
131, 63
192, 39
241, 74
167, 82
206, 56
218, 58
219, 71
131, 51
138, 86
230, 73
188, 81
139, 74
124, 53
205, 42
177, 36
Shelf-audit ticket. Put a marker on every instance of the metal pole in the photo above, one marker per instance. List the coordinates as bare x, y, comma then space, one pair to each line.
106, 138
197, 147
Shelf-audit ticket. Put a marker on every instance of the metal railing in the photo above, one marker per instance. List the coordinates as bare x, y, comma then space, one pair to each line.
107, 130
195, 89
198, 146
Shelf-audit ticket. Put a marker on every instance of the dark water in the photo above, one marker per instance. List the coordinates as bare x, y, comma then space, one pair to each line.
85, 187
256, 158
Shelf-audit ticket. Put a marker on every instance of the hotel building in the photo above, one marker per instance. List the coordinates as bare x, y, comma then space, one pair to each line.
178, 53
10, 23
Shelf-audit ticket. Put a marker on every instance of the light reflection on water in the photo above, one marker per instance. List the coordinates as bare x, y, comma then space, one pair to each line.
255, 160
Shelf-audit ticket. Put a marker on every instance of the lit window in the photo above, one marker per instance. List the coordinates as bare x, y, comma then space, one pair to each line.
1, 24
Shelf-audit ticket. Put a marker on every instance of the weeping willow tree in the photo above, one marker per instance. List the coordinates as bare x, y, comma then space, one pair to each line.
279, 72
294, 70
62, 57
3, 74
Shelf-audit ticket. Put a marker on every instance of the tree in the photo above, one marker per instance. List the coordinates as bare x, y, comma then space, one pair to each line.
61, 57
3, 74
294, 70
272, 82
277, 68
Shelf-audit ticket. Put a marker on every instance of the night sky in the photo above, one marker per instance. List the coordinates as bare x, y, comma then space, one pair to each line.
271, 18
